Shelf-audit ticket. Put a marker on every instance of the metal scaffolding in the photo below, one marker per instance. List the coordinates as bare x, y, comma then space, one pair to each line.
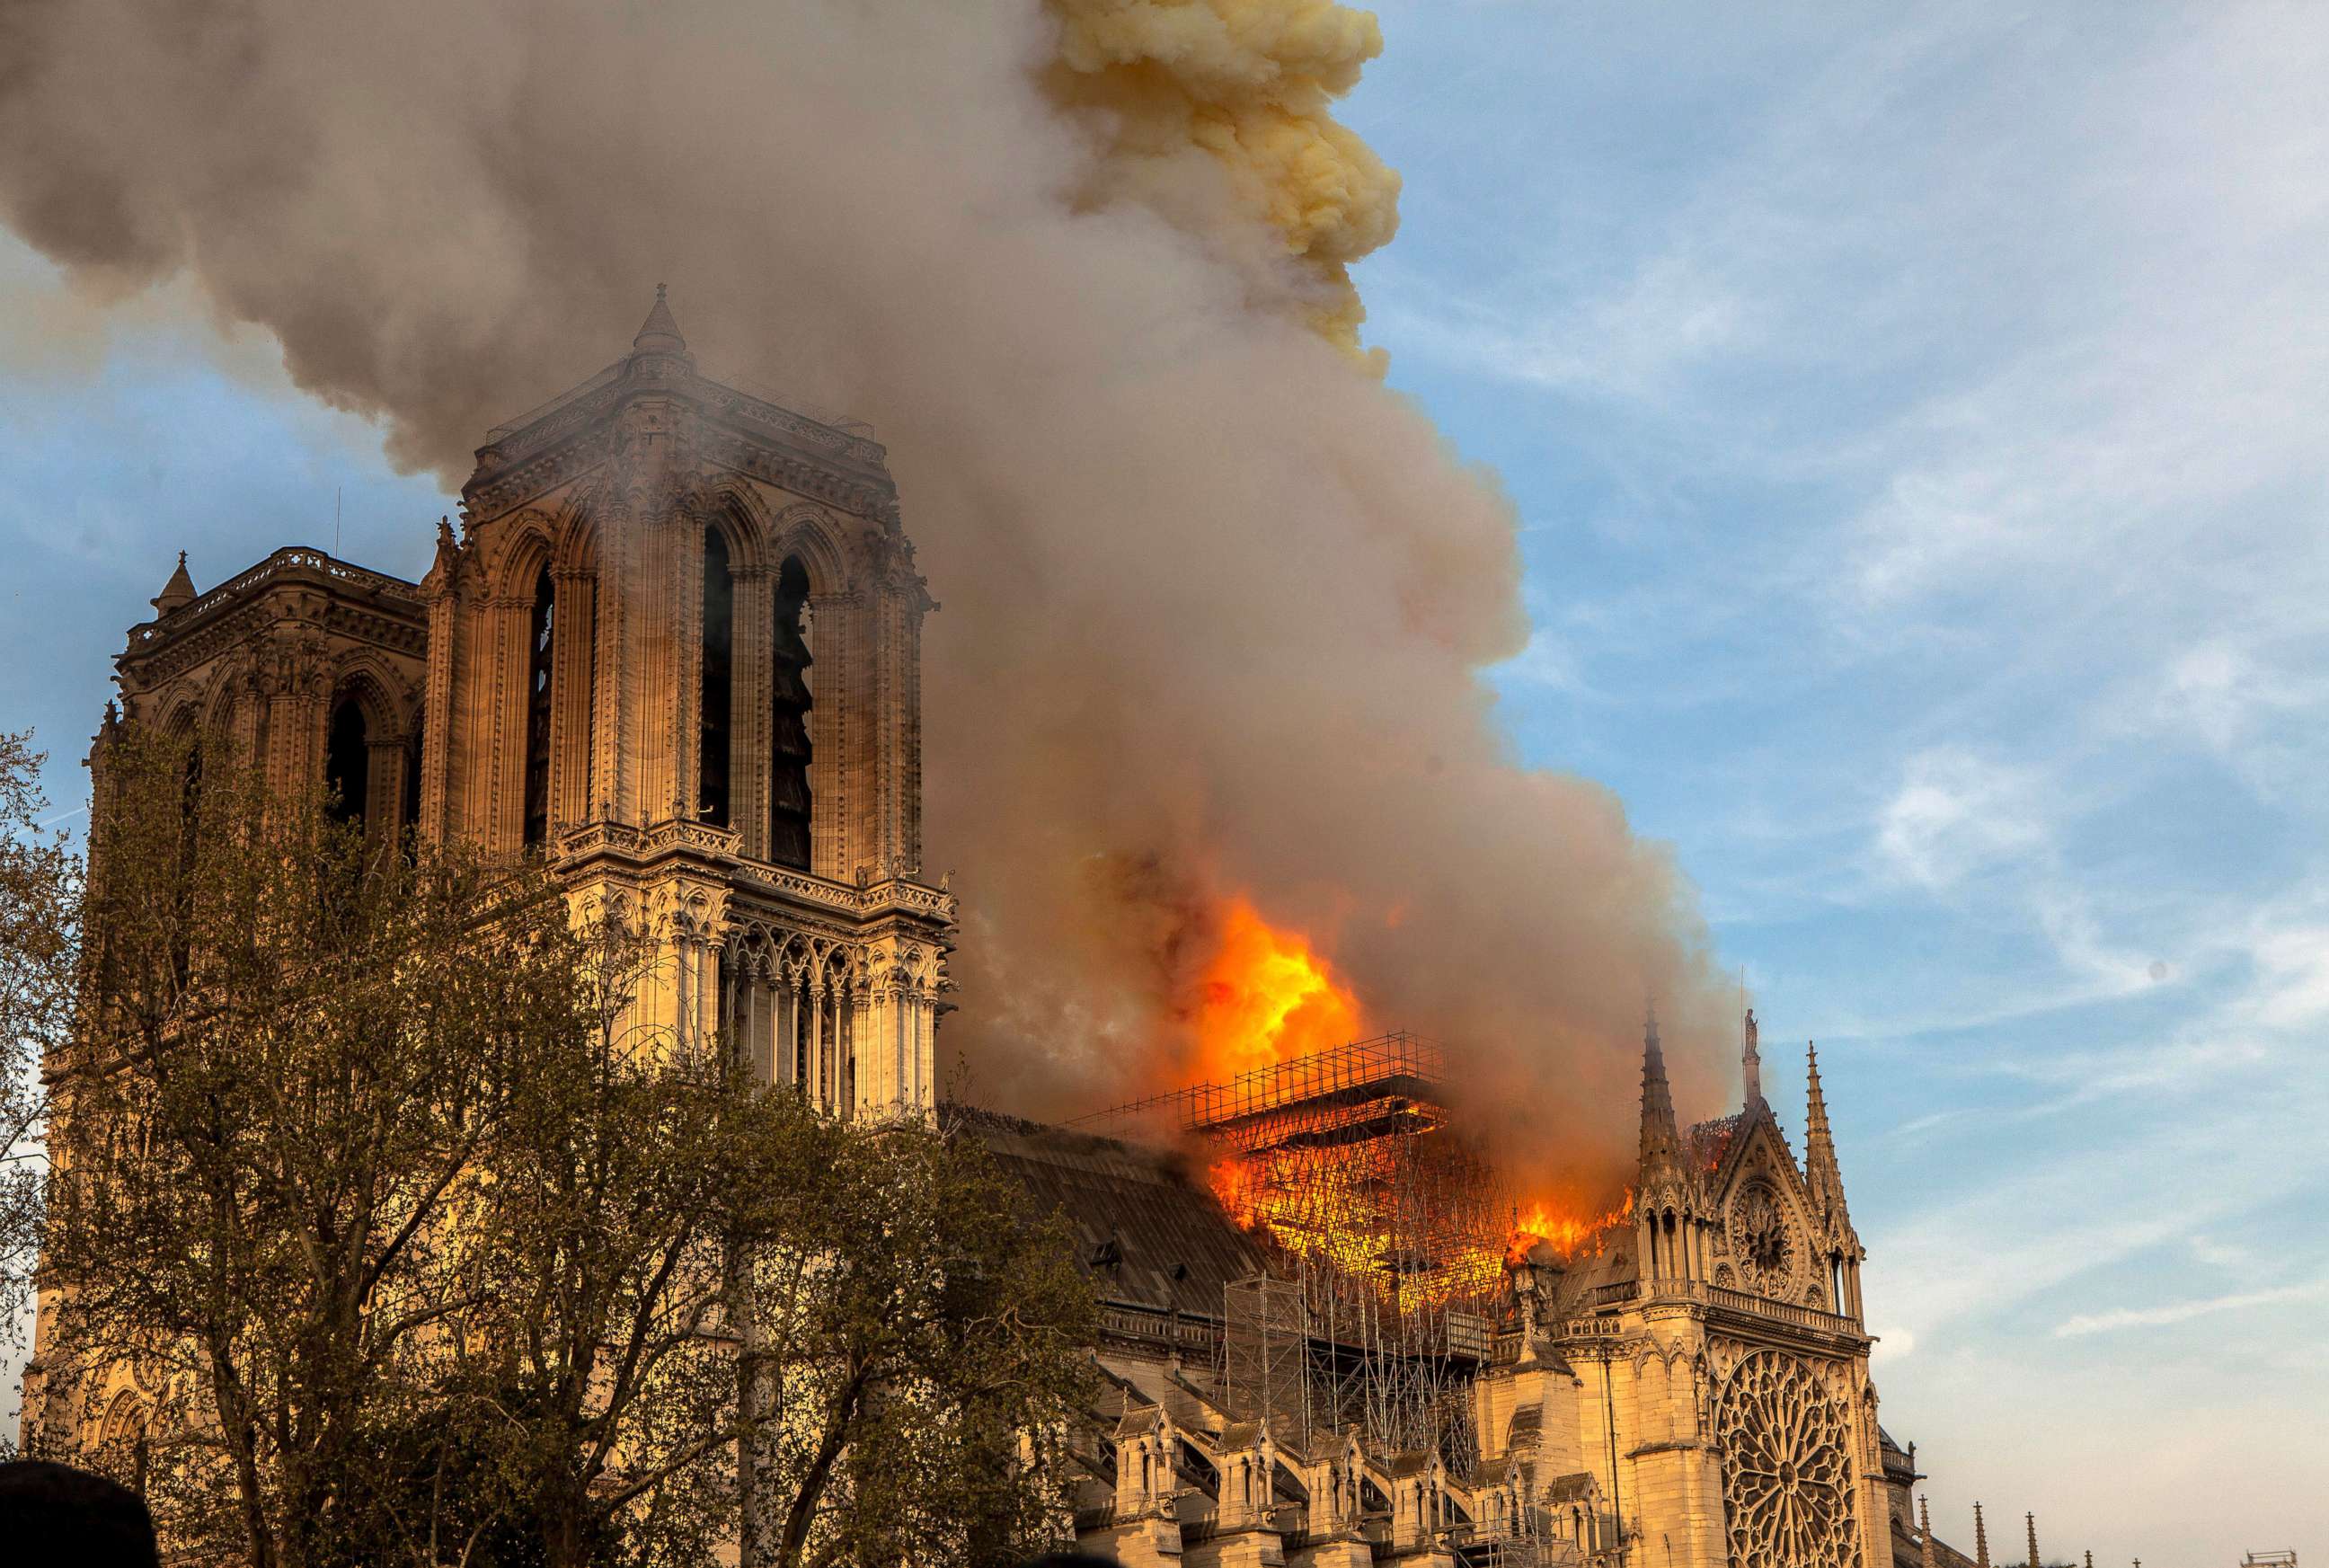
1265, 1355
1390, 1226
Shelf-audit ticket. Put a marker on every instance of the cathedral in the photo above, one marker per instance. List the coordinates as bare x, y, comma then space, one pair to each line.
675, 648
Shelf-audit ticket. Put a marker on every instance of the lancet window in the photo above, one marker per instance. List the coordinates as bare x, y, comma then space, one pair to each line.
718, 681
410, 814
542, 639
788, 772
347, 761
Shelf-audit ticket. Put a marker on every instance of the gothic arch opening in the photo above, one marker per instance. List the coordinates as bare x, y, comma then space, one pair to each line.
190, 793
788, 740
409, 807
347, 761
541, 643
712, 748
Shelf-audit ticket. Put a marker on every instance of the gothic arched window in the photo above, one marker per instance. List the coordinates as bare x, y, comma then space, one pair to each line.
789, 744
347, 761
189, 800
542, 635
409, 807
718, 667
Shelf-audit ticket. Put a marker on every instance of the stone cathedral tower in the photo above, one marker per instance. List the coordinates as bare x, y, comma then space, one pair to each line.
676, 650
679, 650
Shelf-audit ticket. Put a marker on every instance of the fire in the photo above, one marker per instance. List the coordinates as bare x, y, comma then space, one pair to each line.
1266, 996
1567, 1234
1238, 1188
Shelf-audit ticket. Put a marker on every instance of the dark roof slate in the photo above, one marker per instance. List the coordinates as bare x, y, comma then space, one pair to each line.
1148, 1230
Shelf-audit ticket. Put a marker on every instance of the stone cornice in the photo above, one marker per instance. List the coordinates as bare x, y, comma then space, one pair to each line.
731, 428
357, 602
714, 850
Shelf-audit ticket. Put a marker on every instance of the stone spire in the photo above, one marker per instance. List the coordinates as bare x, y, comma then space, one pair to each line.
2033, 1520
1751, 1065
1980, 1539
661, 332
1924, 1517
1661, 1142
175, 593
1821, 1173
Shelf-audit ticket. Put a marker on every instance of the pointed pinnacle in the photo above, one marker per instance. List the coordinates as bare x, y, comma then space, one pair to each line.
179, 590
660, 333
1660, 1142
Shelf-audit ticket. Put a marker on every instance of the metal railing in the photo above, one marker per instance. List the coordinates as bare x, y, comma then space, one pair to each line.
1351, 1069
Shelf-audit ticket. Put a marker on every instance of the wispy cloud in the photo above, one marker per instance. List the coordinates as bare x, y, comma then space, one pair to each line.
1955, 814
2125, 1317
1932, 504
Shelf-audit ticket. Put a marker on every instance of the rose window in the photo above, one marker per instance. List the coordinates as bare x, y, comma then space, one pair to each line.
1787, 1468
1760, 1238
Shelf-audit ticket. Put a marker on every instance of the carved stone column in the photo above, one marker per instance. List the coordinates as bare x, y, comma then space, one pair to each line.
497, 812
573, 655
748, 723
833, 843
384, 764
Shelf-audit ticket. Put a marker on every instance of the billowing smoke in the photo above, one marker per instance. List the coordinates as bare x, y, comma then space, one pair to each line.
1214, 601
1213, 112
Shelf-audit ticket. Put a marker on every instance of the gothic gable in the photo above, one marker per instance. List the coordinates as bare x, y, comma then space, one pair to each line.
1768, 1238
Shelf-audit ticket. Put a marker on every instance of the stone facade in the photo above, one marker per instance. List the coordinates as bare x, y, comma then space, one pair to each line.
1694, 1393
675, 650
679, 649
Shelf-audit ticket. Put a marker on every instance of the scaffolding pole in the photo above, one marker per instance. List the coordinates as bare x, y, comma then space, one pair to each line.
1392, 1233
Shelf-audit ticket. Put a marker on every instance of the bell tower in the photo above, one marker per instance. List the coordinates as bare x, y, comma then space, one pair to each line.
676, 650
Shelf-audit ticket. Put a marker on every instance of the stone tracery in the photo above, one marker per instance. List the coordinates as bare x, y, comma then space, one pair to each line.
1762, 1238
1787, 1467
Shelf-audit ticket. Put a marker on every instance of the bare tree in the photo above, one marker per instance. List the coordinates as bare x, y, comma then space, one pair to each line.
726, 1315
293, 1047
40, 879
400, 1249
914, 1351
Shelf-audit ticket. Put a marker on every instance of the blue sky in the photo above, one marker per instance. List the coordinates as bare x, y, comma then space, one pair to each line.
1918, 426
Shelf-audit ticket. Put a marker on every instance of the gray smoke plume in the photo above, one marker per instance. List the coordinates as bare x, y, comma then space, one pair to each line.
1214, 601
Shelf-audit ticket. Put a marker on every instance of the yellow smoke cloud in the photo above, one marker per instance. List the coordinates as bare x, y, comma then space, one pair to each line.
1248, 83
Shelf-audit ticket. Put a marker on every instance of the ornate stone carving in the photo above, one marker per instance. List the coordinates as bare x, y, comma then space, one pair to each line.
1787, 1467
1763, 1239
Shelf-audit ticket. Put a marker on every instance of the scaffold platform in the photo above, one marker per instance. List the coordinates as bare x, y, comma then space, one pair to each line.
1330, 1096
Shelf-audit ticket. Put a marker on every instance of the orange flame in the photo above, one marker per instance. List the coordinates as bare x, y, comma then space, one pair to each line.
1237, 1186
1568, 1234
1267, 996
